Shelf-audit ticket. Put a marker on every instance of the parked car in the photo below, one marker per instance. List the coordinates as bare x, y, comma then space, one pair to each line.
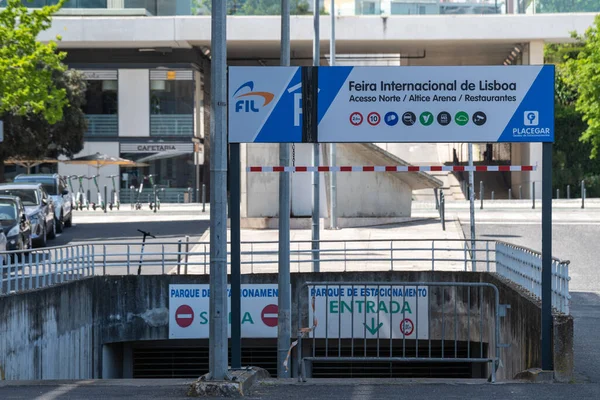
58, 190
38, 207
14, 223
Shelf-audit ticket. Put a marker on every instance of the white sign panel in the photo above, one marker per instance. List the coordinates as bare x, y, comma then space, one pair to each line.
189, 311
371, 311
396, 104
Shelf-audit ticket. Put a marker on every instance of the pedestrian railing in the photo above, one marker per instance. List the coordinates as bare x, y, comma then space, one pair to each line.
48, 266
523, 266
399, 322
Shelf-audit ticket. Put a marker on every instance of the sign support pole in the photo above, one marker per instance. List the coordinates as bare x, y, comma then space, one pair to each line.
472, 207
333, 146
218, 196
316, 212
284, 317
547, 354
236, 289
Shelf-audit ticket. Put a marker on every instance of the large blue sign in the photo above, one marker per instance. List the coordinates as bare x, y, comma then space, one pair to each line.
395, 104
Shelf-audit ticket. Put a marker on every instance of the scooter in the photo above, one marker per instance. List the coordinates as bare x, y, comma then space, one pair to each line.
100, 201
138, 204
154, 192
69, 179
142, 250
82, 200
115, 202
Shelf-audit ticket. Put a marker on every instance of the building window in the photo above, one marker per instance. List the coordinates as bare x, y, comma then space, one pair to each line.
102, 103
368, 8
68, 4
172, 103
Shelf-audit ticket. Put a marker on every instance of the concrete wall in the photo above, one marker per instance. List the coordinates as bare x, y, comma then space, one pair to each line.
110, 148
60, 332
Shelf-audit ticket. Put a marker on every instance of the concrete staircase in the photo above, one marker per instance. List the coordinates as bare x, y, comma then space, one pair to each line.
428, 154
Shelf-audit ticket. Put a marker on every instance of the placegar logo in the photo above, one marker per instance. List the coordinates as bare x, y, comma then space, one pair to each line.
247, 99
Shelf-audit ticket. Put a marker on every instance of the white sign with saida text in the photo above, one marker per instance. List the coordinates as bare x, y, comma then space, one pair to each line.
189, 311
371, 311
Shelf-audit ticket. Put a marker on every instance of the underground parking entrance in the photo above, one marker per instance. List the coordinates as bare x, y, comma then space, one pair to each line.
170, 359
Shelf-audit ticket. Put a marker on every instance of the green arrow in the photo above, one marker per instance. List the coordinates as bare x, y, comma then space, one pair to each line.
373, 329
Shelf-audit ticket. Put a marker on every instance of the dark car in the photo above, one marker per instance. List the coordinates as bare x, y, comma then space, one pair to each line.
15, 223
57, 188
38, 207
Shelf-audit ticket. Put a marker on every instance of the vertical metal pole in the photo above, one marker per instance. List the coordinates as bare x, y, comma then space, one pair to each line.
105, 199
520, 192
236, 288
582, 194
333, 146
557, 194
510, 194
218, 195
316, 211
547, 354
203, 197
481, 193
533, 193
284, 318
155, 195
472, 204
569, 192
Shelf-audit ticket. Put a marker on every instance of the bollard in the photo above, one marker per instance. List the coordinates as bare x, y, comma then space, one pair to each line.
203, 197
492, 195
89, 196
481, 194
154, 195
437, 201
131, 196
510, 194
533, 193
557, 194
582, 194
443, 211
569, 192
520, 192
105, 199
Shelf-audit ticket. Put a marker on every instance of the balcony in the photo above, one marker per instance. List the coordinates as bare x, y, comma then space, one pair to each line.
116, 7
102, 125
172, 125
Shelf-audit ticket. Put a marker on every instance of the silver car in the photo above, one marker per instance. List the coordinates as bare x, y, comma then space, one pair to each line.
57, 188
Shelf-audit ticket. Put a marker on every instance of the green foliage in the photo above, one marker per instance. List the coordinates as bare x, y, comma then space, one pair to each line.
31, 136
566, 6
253, 7
583, 74
27, 66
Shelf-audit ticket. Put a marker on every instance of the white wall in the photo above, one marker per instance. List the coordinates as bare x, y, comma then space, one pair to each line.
134, 102
110, 148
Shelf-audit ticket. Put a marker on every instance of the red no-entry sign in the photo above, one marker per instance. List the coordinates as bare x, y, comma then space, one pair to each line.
269, 315
184, 316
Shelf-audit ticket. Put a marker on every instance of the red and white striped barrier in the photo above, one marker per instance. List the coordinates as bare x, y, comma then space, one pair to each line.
396, 168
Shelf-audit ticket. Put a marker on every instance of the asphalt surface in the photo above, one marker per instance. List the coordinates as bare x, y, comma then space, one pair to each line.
574, 240
348, 390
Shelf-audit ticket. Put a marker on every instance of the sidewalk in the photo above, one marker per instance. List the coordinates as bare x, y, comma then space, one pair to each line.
409, 244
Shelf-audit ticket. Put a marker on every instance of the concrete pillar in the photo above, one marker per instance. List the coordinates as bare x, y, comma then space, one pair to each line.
529, 153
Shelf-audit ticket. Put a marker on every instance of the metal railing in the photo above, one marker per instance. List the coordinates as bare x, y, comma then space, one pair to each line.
172, 125
524, 267
520, 265
102, 124
399, 322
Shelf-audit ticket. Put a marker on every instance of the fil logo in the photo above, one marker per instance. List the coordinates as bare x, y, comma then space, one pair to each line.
532, 118
248, 98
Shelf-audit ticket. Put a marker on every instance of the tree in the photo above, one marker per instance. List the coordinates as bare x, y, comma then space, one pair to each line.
583, 74
31, 136
27, 66
40, 100
564, 6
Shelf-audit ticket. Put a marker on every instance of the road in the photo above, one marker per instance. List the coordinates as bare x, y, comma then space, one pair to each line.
574, 237
347, 390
